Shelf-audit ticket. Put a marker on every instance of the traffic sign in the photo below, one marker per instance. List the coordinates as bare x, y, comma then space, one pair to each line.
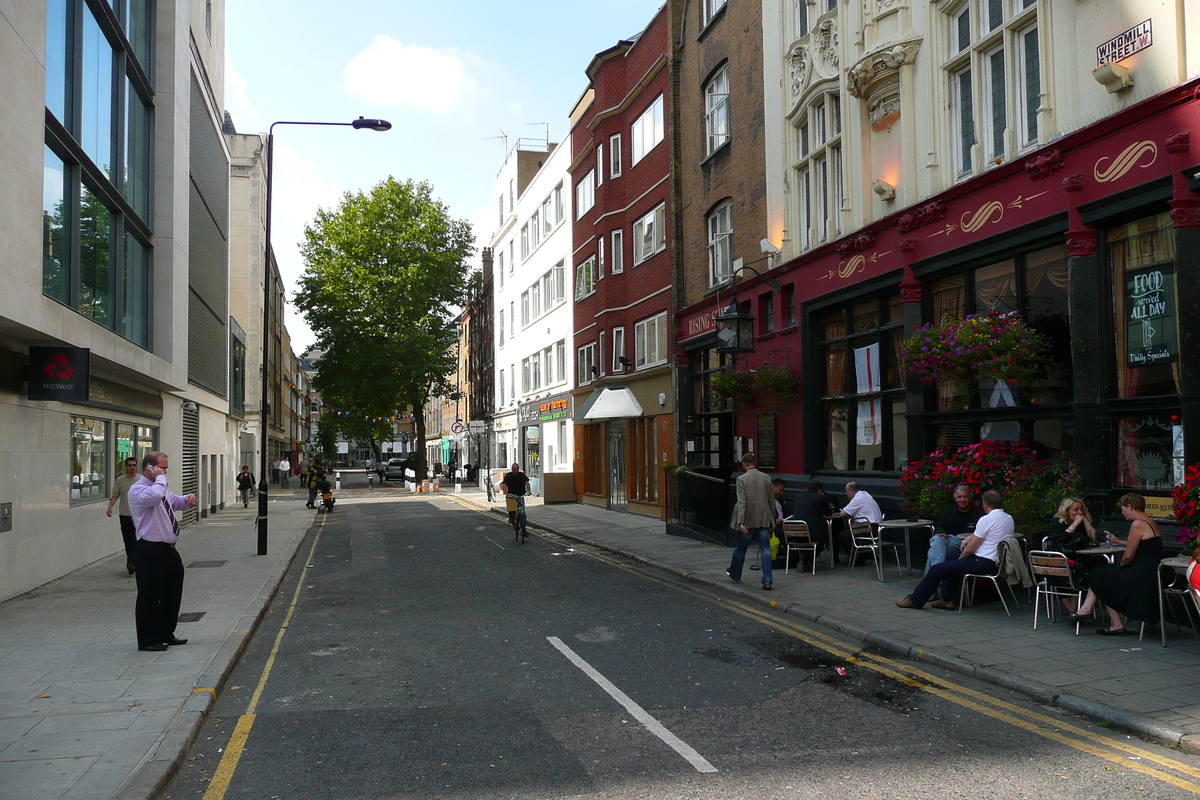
477, 426
457, 427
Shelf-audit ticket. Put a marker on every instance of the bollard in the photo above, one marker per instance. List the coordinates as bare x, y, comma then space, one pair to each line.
337, 480
458, 488
370, 480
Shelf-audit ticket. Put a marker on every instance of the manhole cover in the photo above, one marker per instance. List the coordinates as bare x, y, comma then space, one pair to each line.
191, 616
204, 564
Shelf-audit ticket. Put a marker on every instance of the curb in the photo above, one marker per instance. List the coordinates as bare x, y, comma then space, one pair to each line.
152, 776
1139, 724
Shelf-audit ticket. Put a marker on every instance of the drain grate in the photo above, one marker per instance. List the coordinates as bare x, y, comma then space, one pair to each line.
205, 564
191, 616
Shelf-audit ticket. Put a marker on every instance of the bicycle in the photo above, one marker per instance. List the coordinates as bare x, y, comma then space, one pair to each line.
516, 516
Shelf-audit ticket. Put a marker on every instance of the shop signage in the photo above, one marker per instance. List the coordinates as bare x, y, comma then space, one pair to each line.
1123, 45
549, 410
699, 324
59, 373
477, 426
1160, 507
767, 453
1151, 335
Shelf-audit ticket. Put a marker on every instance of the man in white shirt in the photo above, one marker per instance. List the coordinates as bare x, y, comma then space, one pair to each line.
980, 555
859, 505
285, 472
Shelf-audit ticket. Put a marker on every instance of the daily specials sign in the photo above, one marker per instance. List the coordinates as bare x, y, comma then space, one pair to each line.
1151, 335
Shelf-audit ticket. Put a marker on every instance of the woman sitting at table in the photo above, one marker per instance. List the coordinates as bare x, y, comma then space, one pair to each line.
1130, 587
1072, 528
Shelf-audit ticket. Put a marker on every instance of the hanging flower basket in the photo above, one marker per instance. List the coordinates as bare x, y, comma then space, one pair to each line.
775, 385
991, 346
734, 385
770, 385
1186, 499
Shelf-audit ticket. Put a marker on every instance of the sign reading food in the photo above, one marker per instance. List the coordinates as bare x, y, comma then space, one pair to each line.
1150, 328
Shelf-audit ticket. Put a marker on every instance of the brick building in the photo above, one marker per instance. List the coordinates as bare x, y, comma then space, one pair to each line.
621, 179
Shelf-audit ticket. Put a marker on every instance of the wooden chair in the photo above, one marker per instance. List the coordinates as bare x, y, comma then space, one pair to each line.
1052, 572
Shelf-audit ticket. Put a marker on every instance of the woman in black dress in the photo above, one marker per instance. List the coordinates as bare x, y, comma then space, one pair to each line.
1130, 587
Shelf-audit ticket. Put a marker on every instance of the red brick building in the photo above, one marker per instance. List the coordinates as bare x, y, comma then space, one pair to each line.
621, 176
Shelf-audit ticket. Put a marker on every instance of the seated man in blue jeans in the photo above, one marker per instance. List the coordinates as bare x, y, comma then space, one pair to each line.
960, 517
980, 555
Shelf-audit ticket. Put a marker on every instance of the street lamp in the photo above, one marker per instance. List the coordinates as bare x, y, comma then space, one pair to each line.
264, 477
735, 327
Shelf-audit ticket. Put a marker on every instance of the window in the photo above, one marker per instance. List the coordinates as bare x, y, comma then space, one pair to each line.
1031, 88
558, 282
512, 319
618, 252
89, 465
800, 17
501, 204
585, 194
525, 315
1142, 260
134, 441
647, 130
587, 364
964, 116
599, 164
766, 311
789, 305
614, 155
650, 341
716, 108
585, 279
863, 404
548, 221
501, 387
96, 254
649, 234
711, 7
525, 376
525, 241
600, 353
502, 327
600, 258
560, 358
535, 230
500, 267
535, 301
818, 170
996, 107
618, 348
548, 368
511, 258
720, 244
558, 204
961, 29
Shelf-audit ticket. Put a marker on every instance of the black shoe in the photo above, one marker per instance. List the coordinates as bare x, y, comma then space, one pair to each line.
129, 566
755, 566
767, 587
1110, 632
157, 647
175, 640
731, 577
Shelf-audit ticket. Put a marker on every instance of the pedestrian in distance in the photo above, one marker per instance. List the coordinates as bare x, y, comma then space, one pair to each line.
275, 470
245, 485
159, 569
753, 517
312, 481
285, 472
120, 493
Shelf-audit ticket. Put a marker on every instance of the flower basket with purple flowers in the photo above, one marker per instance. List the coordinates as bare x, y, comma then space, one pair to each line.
989, 346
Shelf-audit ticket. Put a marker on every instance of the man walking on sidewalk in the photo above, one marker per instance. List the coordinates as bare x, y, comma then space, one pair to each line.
159, 569
753, 517
285, 472
121, 492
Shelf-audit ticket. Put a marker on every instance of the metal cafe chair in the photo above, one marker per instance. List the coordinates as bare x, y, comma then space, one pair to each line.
864, 536
1052, 572
799, 540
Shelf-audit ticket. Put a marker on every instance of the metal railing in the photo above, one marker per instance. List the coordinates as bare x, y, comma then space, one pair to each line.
699, 504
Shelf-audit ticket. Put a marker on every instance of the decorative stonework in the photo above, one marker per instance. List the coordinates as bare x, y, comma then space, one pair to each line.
1185, 213
826, 37
908, 245
1073, 183
910, 292
799, 70
923, 215
884, 6
1044, 165
1179, 142
856, 244
879, 68
883, 111
1081, 244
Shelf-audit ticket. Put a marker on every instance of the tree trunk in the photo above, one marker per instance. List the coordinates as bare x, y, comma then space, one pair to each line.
421, 468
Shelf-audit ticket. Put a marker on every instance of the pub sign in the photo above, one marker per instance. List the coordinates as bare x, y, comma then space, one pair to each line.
1151, 334
59, 373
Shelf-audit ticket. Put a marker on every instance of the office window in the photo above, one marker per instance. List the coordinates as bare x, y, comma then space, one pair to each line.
599, 164
560, 358
585, 279
614, 155
535, 230
650, 341
618, 252
548, 221
649, 234
720, 244
525, 376
600, 353
587, 364
711, 7
585, 194
647, 130
618, 348
716, 107
600, 258
96, 254
501, 205
525, 241
558, 281
502, 387
558, 204
502, 327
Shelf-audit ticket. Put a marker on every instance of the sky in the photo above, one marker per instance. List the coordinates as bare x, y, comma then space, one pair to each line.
448, 75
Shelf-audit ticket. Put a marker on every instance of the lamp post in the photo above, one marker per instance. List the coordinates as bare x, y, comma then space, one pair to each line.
735, 327
264, 476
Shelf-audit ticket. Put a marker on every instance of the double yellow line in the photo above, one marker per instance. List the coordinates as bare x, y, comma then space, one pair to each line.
241, 732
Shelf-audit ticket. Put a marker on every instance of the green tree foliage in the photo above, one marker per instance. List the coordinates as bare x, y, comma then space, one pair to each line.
384, 274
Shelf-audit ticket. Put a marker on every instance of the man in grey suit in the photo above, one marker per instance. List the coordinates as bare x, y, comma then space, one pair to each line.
753, 518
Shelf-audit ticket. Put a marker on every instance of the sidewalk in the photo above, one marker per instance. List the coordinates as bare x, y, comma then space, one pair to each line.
83, 713
1137, 686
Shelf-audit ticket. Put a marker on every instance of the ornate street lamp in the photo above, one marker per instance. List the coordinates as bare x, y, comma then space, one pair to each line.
735, 330
264, 477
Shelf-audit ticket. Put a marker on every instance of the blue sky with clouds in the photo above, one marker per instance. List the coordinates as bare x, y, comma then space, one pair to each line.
447, 75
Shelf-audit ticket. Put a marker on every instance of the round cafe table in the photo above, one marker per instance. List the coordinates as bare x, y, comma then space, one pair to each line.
906, 526
1109, 551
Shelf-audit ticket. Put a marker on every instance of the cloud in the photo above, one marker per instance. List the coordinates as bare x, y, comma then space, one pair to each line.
392, 73
245, 116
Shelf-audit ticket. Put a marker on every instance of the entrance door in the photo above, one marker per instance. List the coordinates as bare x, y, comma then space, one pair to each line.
533, 457
617, 500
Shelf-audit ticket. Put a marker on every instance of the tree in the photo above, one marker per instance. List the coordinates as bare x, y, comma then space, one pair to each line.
384, 274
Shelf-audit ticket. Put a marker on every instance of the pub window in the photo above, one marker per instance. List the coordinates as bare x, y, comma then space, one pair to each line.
1142, 258
863, 405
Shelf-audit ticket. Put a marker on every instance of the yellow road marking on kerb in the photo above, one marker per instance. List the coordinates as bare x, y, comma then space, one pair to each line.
241, 732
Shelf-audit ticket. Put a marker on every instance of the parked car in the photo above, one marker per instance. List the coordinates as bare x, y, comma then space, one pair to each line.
394, 469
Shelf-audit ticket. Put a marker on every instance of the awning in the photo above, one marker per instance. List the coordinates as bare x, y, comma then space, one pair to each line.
609, 404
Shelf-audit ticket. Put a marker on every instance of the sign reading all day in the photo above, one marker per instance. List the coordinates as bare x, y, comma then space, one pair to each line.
1123, 45
1151, 334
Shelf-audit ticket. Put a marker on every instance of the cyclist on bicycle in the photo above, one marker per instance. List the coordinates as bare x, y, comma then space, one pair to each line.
516, 483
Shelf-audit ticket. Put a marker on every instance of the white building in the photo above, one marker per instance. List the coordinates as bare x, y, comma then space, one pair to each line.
531, 253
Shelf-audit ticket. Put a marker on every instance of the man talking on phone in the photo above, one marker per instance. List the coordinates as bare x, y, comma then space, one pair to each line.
158, 567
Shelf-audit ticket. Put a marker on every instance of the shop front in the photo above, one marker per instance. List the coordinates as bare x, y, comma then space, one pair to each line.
1092, 242
545, 427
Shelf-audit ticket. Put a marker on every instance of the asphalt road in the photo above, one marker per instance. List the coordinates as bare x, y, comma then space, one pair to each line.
416, 650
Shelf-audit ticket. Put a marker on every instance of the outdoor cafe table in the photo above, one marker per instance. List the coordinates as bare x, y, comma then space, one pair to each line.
906, 526
1179, 564
1109, 551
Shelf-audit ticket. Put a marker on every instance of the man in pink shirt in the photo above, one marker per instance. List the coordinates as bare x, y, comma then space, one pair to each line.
158, 567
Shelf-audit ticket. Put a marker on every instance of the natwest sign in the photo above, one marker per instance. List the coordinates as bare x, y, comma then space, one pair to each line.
699, 323
59, 373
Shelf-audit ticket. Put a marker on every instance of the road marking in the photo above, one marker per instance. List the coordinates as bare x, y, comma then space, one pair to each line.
640, 714
241, 732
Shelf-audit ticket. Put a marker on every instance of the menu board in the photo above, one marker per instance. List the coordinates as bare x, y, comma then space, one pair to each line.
766, 441
1151, 333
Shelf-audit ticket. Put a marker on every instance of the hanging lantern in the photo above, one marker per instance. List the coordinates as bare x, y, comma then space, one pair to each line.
735, 330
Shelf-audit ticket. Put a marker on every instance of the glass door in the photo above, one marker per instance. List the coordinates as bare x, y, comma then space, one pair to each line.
617, 499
